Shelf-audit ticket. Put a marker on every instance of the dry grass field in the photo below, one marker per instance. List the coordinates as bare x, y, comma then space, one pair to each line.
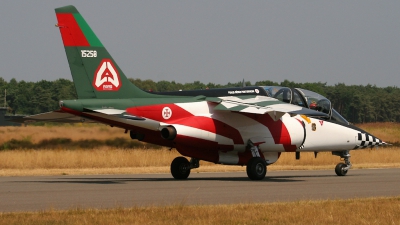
122, 161
351, 211
98, 149
75, 132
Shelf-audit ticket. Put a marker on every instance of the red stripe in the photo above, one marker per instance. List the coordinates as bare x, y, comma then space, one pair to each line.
154, 112
182, 117
71, 33
278, 130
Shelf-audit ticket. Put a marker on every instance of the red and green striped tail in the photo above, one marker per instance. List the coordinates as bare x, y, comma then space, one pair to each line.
95, 73
79, 32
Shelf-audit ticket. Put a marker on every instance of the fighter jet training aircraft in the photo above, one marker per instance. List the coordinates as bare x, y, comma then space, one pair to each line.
237, 128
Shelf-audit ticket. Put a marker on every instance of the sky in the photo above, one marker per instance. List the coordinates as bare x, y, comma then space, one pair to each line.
356, 42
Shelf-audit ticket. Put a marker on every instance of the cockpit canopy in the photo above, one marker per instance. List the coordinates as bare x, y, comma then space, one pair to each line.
305, 98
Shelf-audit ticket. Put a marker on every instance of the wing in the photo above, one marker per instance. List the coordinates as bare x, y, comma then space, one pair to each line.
262, 105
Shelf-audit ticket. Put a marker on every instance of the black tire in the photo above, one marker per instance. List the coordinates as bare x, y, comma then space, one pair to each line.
256, 168
180, 168
339, 169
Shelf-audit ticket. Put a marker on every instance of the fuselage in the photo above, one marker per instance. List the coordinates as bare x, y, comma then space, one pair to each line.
217, 136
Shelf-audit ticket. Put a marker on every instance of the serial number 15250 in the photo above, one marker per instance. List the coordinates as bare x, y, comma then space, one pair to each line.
88, 53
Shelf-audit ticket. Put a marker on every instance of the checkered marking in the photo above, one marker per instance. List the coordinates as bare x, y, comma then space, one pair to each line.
368, 141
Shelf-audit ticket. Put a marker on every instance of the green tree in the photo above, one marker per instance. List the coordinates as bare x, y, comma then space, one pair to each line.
357, 103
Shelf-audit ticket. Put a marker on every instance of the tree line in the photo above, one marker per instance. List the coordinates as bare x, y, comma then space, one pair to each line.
357, 103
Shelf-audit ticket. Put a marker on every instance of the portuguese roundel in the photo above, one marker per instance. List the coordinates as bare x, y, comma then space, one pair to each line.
106, 77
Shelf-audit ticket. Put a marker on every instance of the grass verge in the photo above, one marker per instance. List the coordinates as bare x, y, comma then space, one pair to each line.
120, 161
351, 211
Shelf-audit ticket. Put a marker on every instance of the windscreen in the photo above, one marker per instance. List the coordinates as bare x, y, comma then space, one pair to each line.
312, 99
320, 103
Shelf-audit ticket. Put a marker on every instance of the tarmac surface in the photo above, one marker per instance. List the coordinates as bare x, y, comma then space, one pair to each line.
110, 191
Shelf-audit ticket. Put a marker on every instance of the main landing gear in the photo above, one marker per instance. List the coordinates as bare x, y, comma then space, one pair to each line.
341, 169
256, 168
180, 167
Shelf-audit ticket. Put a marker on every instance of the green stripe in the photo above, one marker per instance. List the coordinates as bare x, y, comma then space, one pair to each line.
244, 97
87, 31
238, 108
214, 99
220, 107
267, 103
67, 9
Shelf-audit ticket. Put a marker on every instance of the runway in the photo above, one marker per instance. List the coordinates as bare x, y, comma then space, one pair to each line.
108, 191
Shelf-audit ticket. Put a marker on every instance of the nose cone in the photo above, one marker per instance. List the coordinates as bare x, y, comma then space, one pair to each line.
366, 140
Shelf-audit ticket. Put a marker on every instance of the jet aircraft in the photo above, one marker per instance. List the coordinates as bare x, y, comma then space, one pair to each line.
246, 127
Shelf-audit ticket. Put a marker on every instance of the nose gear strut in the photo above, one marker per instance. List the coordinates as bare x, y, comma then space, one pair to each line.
341, 169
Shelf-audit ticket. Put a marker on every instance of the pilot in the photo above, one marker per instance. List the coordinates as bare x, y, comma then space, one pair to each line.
313, 105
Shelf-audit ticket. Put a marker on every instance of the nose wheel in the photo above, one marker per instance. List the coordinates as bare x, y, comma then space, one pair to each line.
341, 169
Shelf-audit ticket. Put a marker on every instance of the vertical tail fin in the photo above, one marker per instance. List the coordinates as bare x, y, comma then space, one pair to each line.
94, 72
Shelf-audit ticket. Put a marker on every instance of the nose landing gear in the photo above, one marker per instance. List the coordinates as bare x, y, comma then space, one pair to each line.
341, 169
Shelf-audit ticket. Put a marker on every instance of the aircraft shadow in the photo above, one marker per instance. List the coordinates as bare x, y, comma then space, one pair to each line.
269, 179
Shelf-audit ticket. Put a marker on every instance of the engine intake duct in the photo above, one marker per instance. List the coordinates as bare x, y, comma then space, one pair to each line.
168, 133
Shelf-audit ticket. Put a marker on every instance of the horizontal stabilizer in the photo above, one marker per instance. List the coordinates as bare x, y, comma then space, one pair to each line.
55, 116
115, 112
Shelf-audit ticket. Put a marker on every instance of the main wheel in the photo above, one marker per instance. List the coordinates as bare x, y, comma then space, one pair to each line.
339, 169
256, 168
180, 168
